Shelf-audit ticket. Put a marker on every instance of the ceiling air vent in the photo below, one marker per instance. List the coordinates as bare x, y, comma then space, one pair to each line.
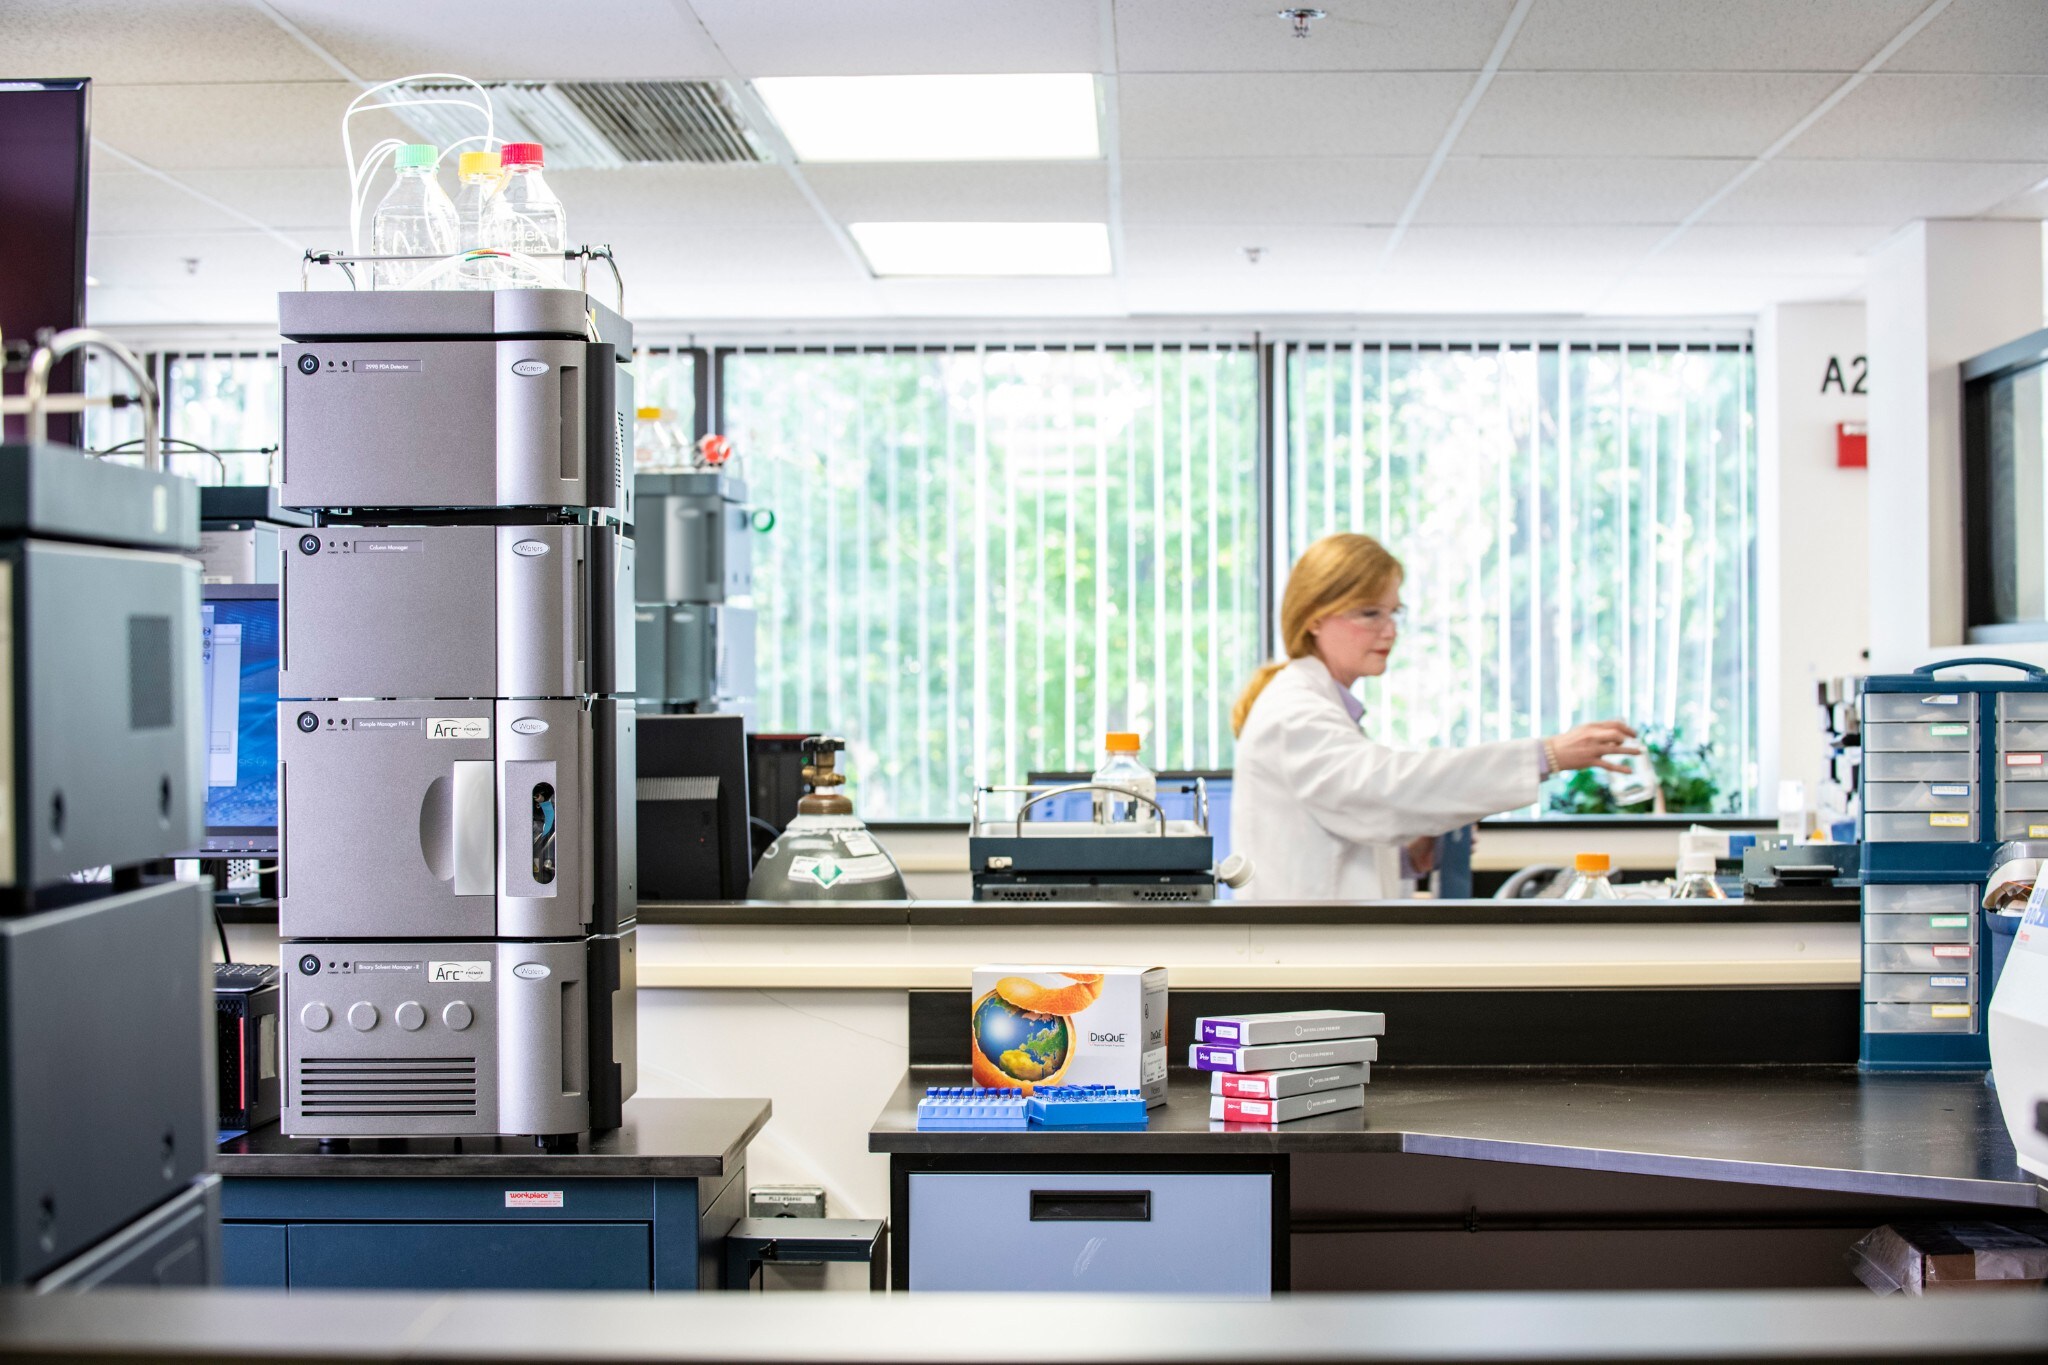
585, 124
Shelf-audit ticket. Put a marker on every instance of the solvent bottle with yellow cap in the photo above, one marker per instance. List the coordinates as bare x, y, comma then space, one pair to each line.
1589, 879
1122, 771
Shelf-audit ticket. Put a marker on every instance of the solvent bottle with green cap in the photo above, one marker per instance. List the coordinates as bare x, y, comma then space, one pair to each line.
415, 218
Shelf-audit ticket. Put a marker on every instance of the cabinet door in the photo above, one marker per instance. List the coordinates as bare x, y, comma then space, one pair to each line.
471, 1256
1140, 1233
252, 1255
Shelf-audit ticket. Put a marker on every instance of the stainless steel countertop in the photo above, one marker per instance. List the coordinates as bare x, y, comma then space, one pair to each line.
1916, 1135
661, 1139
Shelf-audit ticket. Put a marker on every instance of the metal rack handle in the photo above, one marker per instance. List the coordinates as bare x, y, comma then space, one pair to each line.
36, 391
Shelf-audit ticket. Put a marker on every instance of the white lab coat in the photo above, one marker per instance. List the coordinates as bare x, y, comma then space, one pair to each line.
1322, 811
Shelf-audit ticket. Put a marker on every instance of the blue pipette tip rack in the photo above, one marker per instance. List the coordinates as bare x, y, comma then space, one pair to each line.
968, 1108
1086, 1106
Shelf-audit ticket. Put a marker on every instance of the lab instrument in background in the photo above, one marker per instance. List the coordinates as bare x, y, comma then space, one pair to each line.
827, 853
693, 821
695, 615
458, 1038
1951, 767
1015, 856
245, 1005
396, 610
459, 880
105, 1045
456, 401
242, 531
2017, 1020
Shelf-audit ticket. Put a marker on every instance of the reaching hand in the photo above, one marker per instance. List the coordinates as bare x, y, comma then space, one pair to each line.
1592, 745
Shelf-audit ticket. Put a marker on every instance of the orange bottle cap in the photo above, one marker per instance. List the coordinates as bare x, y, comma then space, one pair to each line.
1120, 742
1591, 862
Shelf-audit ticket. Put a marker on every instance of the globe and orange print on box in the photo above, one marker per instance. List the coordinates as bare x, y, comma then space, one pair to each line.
1035, 1026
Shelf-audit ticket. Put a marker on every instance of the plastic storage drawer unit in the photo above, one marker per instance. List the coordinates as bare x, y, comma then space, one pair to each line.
1919, 988
1931, 958
1935, 737
1952, 928
1920, 796
1897, 706
1931, 827
1892, 1016
1905, 766
1122, 1233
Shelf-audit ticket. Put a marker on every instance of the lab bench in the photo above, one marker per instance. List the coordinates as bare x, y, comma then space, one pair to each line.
1455, 1177
644, 1207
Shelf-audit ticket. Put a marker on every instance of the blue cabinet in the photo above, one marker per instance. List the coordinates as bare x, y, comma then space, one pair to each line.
478, 1233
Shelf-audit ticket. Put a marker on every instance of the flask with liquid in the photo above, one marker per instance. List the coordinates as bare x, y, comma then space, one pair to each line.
415, 218
1122, 771
483, 222
539, 226
1589, 878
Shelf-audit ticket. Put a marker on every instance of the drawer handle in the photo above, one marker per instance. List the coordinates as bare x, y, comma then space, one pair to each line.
1091, 1206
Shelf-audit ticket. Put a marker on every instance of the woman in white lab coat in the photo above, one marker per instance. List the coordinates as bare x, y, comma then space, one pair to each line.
1322, 811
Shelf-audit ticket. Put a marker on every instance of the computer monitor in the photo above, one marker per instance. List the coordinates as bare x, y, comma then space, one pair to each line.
692, 814
238, 658
45, 144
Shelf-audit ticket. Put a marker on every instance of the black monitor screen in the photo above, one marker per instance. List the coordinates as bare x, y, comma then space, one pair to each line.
238, 653
44, 136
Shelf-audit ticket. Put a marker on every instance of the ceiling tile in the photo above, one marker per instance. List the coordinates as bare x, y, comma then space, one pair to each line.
732, 254
118, 42
1980, 36
904, 37
1159, 251
1194, 294
1727, 35
1534, 248
243, 127
671, 305
1354, 35
2031, 202
1590, 190
1778, 249
509, 39
241, 260
288, 200
1984, 118
1667, 114
129, 201
1328, 190
1515, 292
1645, 295
607, 201
963, 192
1265, 115
1002, 298
1893, 192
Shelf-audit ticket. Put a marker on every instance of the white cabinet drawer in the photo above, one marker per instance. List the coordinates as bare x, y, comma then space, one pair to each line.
1123, 1233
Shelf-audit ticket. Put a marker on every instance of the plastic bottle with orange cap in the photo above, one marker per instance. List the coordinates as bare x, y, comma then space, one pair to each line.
1589, 878
1127, 779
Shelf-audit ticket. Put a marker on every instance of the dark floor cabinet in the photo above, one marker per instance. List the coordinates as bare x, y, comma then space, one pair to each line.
472, 1233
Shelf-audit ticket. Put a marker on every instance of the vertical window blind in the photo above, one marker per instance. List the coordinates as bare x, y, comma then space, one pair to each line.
987, 556
1577, 523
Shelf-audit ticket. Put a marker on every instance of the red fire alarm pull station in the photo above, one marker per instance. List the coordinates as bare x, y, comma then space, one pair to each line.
1852, 445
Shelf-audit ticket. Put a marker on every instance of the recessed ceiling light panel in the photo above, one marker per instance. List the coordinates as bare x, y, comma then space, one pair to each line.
936, 118
983, 249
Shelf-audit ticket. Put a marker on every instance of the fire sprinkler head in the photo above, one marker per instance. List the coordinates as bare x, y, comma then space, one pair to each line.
1301, 19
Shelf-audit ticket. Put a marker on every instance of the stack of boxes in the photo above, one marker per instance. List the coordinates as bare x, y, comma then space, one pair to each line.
1276, 1068
456, 725
106, 1081
695, 619
1950, 769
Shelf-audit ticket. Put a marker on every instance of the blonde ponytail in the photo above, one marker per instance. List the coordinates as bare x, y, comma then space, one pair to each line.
1242, 712
1338, 573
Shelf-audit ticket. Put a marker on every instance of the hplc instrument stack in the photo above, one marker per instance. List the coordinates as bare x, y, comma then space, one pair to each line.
455, 724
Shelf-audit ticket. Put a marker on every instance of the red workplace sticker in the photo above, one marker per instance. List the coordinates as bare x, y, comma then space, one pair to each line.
533, 1199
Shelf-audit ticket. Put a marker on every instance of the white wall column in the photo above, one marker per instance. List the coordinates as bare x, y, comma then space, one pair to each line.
1812, 530
1940, 292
